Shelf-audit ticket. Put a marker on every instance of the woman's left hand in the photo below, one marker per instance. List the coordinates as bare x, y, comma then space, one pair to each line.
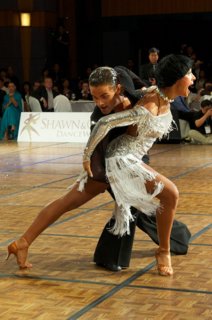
87, 168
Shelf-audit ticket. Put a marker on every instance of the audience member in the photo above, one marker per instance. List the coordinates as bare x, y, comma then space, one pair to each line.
2, 94
193, 99
66, 88
45, 94
25, 93
84, 93
147, 72
201, 80
201, 133
36, 85
12, 108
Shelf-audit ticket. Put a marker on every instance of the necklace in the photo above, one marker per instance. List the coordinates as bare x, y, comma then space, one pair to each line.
163, 96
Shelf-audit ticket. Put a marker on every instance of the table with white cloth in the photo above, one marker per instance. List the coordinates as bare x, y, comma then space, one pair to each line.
82, 105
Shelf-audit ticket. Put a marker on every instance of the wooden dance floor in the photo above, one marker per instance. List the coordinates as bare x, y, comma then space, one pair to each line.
64, 283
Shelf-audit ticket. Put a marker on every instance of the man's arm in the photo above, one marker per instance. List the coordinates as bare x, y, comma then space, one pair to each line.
199, 122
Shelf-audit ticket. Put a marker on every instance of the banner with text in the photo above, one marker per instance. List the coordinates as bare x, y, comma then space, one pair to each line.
54, 127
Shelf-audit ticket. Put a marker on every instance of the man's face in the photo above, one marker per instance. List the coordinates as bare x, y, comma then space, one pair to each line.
36, 85
105, 97
85, 87
48, 84
153, 57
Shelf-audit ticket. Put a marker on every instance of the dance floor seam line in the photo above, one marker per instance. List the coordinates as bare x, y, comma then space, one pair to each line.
62, 157
170, 289
37, 186
88, 237
199, 233
39, 162
193, 169
36, 147
102, 283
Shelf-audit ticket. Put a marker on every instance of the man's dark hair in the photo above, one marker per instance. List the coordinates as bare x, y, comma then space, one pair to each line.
206, 103
154, 50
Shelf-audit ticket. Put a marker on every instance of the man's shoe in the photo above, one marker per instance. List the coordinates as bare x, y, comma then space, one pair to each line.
108, 266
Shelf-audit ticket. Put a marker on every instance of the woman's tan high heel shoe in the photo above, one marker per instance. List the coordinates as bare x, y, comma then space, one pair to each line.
20, 249
163, 270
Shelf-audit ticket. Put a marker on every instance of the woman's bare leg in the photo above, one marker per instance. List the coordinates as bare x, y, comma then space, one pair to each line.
165, 215
50, 213
72, 200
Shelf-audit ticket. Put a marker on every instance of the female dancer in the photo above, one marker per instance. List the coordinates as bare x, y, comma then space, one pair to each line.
112, 100
133, 182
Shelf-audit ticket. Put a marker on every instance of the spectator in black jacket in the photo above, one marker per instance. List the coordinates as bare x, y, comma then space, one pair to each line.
45, 94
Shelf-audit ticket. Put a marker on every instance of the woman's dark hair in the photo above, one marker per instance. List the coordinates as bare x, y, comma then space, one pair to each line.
103, 76
172, 68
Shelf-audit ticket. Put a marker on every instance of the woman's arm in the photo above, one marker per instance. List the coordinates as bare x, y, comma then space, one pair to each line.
105, 124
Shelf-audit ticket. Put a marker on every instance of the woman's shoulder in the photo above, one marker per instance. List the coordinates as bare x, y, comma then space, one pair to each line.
149, 102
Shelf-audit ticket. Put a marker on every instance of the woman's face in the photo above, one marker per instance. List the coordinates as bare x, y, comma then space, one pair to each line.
183, 84
106, 97
11, 87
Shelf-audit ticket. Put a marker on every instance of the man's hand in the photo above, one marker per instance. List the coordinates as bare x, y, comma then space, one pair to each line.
87, 168
45, 104
209, 113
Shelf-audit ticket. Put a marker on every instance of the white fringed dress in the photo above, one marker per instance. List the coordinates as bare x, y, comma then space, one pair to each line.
125, 170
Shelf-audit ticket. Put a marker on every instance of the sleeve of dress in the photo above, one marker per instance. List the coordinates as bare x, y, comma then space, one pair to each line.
105, 124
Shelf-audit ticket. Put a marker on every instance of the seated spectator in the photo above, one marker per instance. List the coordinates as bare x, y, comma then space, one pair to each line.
45, 94
84, 93
2, 94
45, 74
26, 92
193, 99
12, 108
201, 80
66, 89
36, 85
207, 90
201, 133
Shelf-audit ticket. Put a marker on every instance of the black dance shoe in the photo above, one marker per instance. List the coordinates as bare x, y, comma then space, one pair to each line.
109, 266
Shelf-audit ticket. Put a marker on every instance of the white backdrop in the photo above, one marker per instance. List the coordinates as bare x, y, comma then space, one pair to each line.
54, 127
